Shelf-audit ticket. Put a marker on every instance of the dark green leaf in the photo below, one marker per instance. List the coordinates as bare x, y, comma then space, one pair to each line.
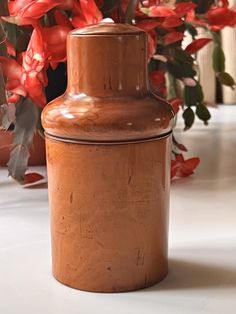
203, 113
191, 29
216, 38
203, 5
226, 79
22, 42
4, 8
12, 32
179, 70
187, 70
109, 5
193, 95
130, 12
174, 69
182, 56
3, 99
3, 48
189, 117
218, 59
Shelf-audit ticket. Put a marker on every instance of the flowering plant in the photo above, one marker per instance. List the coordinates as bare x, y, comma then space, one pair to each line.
33, 42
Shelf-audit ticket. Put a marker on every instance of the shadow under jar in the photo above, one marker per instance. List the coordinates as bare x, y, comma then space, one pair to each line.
108, 157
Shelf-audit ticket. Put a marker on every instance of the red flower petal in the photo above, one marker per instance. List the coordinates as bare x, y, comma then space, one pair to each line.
160, 11
152, 42
221, 17
157, 78
173, 37
176, 103
32, 178
148, 24
90, 11
172, 21
183, 8
179, 158
62, 19
191, 164
197, 45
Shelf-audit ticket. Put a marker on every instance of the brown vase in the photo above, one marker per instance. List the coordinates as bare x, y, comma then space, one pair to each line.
108, 156
37, 151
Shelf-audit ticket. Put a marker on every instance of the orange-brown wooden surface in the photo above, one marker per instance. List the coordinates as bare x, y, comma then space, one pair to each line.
109, 203
109, 214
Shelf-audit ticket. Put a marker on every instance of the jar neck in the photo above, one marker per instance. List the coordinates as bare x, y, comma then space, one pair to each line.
107, 66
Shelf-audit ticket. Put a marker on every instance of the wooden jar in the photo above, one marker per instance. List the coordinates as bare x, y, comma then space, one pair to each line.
108, 157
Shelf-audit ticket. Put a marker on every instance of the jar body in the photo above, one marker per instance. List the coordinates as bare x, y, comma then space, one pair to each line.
109, 213
108, 159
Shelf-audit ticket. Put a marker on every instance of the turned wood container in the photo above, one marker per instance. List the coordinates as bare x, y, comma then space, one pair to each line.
108, 158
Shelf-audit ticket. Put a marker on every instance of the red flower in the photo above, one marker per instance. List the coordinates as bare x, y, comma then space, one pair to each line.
173, 37
158, 81
176, 103
152, 43
28, 78
54, 39
183, 168
221, 17
182, 8
172, 21
86, 12
197, 45
160, 11
148, 24
13, 74
37, 8
25, 12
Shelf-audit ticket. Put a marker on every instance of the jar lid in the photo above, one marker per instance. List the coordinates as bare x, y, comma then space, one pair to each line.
107, 29
108, 98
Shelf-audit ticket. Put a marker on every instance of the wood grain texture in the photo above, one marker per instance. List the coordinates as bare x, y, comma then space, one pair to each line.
109, 214
108, 97
109, 203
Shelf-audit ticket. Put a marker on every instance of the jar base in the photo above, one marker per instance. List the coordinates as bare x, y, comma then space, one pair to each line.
113, 289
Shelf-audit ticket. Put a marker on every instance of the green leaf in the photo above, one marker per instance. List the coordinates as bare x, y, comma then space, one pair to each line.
189, 117
226, 79
191, 29
3, 99
22, 42
109, 5
12, 32
182, 56
4, 8
8, 113
216, 38
18, 162
27, 115
203, 5
193, 95
218, 59
3, 48
174, 69
203, 113
130, 12
187, 70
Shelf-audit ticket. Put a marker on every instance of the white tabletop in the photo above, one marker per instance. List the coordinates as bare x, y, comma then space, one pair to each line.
202, 275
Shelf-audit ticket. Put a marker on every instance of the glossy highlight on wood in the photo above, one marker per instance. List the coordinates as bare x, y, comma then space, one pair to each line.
108, 98
108, 156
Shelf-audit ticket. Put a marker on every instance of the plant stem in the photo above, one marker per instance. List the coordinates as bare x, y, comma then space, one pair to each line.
130, 12
3, 52
4, 8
